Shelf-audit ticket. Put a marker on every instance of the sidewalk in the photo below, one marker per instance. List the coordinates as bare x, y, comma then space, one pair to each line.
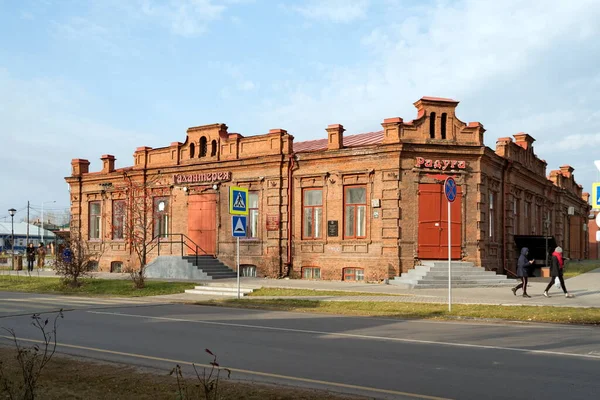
585, 287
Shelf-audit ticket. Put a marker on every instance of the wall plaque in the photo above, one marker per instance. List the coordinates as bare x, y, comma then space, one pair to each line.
272, 222
332, 228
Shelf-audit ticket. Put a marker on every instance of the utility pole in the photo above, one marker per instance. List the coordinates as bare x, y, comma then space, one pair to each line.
27, 240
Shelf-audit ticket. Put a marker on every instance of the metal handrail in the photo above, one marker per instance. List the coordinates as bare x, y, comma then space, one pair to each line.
184, 239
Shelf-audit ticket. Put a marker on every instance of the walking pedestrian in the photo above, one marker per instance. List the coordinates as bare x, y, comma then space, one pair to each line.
522, 265
30, 256
41, 252
556, 271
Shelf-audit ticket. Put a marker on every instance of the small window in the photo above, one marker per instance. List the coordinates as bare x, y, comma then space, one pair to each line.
118, 219
353, 274
443, 126
213, 148
311, 273
116, 266
93, 266
492, 217
192, 150
203, 147
248, 271
355, 212
94, 224
432, 125
312, 216
161, 217
253, 218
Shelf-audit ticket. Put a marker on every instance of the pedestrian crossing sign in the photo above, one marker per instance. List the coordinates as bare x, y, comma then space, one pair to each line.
238, 225
596, 195
238, 200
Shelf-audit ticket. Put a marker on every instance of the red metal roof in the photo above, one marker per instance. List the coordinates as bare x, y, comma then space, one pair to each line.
361, 139
438, 99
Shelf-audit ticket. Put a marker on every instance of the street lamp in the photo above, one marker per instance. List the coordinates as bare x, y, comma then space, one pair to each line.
44, 202
12, 213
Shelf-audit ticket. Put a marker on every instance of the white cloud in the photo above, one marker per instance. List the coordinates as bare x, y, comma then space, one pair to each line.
514, 65
184, 17
247, 86
45, 126
341, 11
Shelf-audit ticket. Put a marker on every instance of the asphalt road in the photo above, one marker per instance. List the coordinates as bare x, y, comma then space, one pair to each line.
377, 357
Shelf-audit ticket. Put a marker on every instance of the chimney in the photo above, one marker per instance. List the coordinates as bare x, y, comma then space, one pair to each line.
140, 157
108, 163
585, 196
566, 171
392, 130
524, 140
79, 166
335, 137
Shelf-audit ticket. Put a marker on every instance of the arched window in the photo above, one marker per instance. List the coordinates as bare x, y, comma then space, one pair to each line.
213, 148
203, 147
432, 125
444, 119
192, 150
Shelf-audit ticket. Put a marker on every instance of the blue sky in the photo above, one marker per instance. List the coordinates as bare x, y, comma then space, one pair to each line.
79, 79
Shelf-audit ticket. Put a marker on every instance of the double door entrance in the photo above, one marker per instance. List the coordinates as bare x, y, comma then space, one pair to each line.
202, 222
433, 223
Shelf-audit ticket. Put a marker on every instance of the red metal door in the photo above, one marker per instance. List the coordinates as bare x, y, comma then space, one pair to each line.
433, 222
202, 221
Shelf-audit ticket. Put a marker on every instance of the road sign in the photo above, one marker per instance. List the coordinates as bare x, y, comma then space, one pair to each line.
238, 200
238, 225
596, 195
450, 189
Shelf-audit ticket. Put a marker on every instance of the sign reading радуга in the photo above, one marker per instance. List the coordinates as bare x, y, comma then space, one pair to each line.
421, 162
203, 177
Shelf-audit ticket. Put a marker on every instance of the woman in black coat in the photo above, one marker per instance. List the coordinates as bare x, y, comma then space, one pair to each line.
522, 272
30, 256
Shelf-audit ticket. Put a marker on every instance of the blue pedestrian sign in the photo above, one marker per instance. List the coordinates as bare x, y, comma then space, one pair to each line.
238, 225
450, 189
238, 200
596, 195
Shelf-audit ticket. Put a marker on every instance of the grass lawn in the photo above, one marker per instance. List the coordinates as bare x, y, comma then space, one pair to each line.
311, 292
90, 287
73, 378
569, 315
574, 268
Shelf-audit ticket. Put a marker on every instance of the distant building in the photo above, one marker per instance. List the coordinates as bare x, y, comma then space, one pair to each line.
367, 206
36, 235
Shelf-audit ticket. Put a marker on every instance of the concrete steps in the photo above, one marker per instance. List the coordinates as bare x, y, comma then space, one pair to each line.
434, 274
211, 266
219, 291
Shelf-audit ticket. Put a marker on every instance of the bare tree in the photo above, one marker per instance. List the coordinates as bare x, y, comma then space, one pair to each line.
140, 219
77, 260
30, 360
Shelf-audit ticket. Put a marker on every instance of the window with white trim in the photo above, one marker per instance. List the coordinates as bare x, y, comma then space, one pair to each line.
311, 273
355, 212
312, 213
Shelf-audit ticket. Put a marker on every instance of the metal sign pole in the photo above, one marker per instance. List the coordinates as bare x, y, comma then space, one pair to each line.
238, 267
449, 259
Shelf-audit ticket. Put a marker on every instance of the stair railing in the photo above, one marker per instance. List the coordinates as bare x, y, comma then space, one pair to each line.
169, 238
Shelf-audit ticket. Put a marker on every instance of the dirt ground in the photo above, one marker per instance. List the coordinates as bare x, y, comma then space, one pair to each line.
68, 377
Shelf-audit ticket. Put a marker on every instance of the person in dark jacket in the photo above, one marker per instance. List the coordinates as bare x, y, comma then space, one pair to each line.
30, 256
556, 271
522, 272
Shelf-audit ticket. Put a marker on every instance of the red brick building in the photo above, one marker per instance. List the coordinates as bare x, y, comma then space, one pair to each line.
366, 206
